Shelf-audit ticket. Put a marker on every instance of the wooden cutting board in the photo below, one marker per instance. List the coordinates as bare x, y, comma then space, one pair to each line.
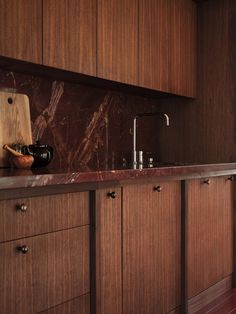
15, 124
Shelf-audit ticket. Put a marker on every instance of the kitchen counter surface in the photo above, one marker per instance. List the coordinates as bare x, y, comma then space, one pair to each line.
95, 178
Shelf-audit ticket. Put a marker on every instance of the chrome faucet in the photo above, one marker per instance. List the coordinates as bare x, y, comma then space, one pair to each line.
139, 115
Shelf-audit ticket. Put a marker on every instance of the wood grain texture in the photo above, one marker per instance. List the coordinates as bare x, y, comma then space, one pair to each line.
167, 46
207, 296
154, 44
210, 233
151, 248
69, 35
55, 269
15, 123
183, 48
203, 130
117, 51
108, 253
79, 305
21, 29
44, 214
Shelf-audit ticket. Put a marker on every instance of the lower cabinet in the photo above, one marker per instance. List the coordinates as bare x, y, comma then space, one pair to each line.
151, 248
108, 259
45, 254
209, 232
40, 272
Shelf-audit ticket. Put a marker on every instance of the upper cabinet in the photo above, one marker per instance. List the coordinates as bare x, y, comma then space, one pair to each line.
147, 43
117, 51
21, 29
167, 46
153, 44
183, 48
69, 35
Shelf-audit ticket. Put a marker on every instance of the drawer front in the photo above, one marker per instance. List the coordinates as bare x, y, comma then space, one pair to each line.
31, 216
79, 305
54, 270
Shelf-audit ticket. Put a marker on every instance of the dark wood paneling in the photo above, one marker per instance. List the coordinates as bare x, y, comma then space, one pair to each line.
153, 44
44, 214
210, 233
108, 253
69, 35
118, 40
167, 46
55, 269
21, 29
182, 47
151, 248
77, 306
204, 130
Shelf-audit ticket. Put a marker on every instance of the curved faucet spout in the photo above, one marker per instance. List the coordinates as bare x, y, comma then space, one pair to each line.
139, 115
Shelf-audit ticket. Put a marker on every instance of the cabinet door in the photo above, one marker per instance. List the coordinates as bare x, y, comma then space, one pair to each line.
210, 232
151, 248
167, 46
108, 252
21, 29
153, 44
183, 48
54, 270
118, 40
69, 35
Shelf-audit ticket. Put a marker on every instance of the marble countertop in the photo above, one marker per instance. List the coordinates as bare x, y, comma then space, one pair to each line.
17, 178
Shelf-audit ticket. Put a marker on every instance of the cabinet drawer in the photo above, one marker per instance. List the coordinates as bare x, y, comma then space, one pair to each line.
79, 305
31, 216
54, 270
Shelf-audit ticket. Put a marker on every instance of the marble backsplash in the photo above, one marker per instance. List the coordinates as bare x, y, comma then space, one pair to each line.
88, 127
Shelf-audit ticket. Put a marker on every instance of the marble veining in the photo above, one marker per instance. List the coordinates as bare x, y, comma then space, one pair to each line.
86, 126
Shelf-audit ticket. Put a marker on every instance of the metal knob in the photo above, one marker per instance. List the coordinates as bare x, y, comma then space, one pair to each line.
157, 188
231, 178
207, 181
22, 207
23, 249
112, 194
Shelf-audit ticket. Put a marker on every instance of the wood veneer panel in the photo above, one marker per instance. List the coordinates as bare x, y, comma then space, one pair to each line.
108, 253
153, 44
21, 29
183, 47
210, 233
118, 40
151, 248
79, 305
44, 214
55, 269
69, 35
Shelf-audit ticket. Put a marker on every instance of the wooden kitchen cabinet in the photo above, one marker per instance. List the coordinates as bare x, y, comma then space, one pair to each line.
117, 50
36, 215
45, 254
151, 248
69, 35
167, 46
21, 29
108, 251
210, 233
54, 270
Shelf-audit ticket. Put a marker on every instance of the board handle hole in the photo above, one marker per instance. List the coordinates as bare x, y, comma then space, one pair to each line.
10, 101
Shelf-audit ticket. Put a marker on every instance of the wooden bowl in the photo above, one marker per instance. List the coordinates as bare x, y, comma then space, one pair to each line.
22, 162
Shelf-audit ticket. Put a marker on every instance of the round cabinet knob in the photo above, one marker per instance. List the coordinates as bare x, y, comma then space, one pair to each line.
157, 188
22, 207
207, 181
23, 249
231, 178
112, 194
